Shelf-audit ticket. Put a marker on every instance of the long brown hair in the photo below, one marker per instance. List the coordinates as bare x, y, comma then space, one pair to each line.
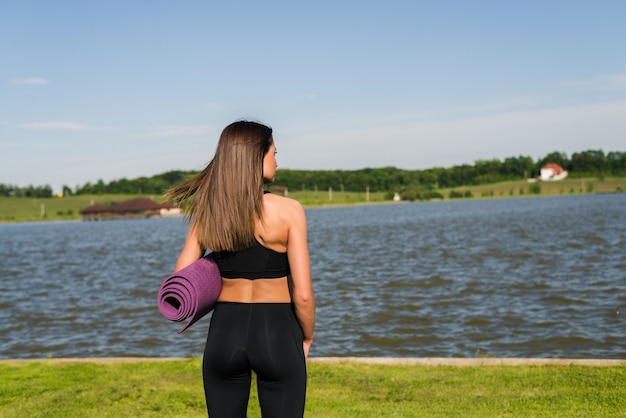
226, 198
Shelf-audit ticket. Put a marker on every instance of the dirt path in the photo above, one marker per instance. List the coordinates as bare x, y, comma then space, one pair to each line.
411, 361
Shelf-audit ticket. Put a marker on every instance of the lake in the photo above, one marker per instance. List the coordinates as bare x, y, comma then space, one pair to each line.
525, 277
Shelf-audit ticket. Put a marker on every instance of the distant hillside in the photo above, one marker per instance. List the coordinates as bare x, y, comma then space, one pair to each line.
591, 163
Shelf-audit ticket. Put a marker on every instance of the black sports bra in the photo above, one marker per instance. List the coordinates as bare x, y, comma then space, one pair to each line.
256, 262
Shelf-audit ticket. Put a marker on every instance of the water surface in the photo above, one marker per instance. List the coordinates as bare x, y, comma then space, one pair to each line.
531, 277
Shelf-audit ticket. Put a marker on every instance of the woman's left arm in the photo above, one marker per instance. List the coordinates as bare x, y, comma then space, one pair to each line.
302, 288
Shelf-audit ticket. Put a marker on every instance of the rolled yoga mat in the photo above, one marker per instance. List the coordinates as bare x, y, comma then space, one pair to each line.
191, 292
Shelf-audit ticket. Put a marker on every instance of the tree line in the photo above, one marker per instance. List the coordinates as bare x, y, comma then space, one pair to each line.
590, 163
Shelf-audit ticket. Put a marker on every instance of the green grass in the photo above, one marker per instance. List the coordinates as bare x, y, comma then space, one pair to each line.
315, 198
14, 209
547, 188
23, 209
174, 389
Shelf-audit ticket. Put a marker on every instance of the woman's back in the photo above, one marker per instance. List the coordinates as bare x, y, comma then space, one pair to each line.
272, 233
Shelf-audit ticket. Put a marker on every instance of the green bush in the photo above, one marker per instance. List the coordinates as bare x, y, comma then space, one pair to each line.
534, 188
432, 195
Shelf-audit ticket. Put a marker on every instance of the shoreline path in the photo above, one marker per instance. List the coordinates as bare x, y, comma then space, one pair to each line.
389, 361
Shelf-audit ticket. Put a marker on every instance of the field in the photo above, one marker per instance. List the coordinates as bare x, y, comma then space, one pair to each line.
24, 209
68, 208
173, 388
317, 198
546, 188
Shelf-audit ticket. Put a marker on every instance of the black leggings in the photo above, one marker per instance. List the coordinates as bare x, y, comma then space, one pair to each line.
261, 337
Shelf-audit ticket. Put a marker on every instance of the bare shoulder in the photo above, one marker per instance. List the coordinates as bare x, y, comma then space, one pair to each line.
284, 205
282, 216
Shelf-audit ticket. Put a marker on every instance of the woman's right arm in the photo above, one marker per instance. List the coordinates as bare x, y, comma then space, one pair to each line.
299, 264
191, 251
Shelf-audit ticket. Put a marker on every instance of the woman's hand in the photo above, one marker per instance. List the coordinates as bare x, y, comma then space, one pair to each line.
306, 346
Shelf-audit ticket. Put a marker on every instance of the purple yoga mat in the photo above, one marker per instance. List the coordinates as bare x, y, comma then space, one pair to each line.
191, 292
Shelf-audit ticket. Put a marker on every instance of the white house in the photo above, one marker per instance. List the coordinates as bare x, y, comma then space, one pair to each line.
168, 209
552, 172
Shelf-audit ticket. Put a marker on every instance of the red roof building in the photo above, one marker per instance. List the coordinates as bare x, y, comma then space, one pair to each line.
552, 171
138, 208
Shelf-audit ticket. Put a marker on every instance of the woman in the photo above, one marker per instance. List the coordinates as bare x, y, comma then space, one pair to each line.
263, 320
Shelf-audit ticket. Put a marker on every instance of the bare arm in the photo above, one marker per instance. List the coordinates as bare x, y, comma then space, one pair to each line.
299, 263
191, 251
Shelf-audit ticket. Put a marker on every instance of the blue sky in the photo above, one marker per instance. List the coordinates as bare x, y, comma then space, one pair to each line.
123, 89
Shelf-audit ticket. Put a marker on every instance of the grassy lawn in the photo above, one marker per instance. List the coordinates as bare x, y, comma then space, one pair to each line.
547, 188
68, 208
173, 388
325, 197
25, 209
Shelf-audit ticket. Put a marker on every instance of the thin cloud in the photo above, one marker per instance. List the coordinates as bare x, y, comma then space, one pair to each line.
460, 112
55, 126
29, 81
508, 105
615, 81
444, 115
423, 144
